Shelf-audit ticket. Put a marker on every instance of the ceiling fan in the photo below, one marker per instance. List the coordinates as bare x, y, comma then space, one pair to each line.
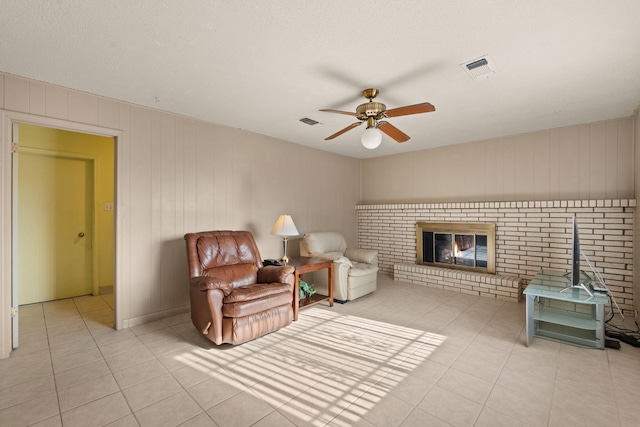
372, 113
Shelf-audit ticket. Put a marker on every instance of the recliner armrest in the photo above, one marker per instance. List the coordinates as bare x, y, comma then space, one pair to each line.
204, 283
368, 256
276, 274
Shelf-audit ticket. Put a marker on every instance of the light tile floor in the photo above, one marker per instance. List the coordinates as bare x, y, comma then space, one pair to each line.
406, 355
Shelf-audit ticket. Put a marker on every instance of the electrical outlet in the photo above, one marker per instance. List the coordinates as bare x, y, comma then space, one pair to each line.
108, 206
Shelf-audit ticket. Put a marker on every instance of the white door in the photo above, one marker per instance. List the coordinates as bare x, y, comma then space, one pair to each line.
55, 199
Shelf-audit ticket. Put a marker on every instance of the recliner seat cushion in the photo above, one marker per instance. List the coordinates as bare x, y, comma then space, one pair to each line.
257, 291
247, 308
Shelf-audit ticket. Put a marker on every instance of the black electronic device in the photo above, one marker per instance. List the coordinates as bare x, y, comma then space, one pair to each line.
629, 339
575, 256
271, 262
576, 274
609, 343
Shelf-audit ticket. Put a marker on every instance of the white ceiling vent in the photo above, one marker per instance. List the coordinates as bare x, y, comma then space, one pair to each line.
480, 68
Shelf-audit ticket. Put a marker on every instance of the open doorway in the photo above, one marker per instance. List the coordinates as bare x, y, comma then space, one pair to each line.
65, 241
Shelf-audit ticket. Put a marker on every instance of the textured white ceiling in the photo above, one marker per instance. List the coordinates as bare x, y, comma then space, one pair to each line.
263, 65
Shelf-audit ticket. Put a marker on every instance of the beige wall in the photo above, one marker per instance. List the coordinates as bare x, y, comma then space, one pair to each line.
177, 175
590, 161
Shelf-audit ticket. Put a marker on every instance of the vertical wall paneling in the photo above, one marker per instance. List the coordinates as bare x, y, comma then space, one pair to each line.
204, 165
588, 161
527, 164
567, 164
611, 160
142, 215
82, 107
156, 238
170, 239
242, 189
494, 186
16, 94
180, 275
585, 162
223, 174
510, 169
37, 98
555, 177
625, 159
597, 159
56, 102
107, 113
189, 178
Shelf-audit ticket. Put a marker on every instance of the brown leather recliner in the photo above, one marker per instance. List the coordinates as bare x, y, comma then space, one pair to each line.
234, 298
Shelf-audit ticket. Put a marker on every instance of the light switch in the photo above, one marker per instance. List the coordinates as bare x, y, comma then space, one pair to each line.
108, 206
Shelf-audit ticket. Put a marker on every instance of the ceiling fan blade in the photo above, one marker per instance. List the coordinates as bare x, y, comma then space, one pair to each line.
393, 131
348, 128
341, 112
425, 107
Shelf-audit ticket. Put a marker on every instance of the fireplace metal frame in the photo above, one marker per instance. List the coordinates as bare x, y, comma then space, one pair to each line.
476, 228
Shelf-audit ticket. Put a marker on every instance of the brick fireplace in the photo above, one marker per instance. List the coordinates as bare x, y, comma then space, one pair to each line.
530, 235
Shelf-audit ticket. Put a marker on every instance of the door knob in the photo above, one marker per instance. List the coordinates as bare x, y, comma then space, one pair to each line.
81, 234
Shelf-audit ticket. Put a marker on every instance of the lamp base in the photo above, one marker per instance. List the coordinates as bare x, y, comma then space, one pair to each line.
285, 242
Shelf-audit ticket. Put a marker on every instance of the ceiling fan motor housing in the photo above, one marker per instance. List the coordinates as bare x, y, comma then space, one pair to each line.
371, 109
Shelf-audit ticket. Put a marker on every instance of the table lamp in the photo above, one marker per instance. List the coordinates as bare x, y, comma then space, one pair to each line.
285, 227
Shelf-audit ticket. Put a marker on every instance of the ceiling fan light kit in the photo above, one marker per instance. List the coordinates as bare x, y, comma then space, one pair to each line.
371, 138
371, 112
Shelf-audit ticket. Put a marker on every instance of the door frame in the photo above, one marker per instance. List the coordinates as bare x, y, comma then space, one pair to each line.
95, 223
7, 223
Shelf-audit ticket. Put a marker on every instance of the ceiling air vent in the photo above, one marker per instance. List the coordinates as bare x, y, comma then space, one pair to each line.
480, 68
309, 121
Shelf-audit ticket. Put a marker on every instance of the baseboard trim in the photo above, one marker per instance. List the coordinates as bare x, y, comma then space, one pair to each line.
140, 320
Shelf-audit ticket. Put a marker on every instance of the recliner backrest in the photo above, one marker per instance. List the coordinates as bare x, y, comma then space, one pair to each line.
232, 256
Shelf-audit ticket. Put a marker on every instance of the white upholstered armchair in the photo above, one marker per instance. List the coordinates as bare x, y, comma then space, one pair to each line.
355, 271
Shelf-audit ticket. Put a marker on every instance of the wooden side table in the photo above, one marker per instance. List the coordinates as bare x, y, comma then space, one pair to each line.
305, 265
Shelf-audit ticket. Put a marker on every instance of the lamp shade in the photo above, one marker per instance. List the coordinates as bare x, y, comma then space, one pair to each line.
284, 226
371, 138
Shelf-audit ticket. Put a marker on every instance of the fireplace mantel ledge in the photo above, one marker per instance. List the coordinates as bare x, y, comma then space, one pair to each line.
604, 203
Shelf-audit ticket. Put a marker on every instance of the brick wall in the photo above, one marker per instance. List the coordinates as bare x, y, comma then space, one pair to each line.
529, 235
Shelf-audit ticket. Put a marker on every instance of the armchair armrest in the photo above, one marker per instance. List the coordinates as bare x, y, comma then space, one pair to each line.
368, 256
204, 283
276, 274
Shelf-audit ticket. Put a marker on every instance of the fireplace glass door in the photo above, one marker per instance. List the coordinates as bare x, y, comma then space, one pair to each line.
464, 250
443, 248
463, 246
